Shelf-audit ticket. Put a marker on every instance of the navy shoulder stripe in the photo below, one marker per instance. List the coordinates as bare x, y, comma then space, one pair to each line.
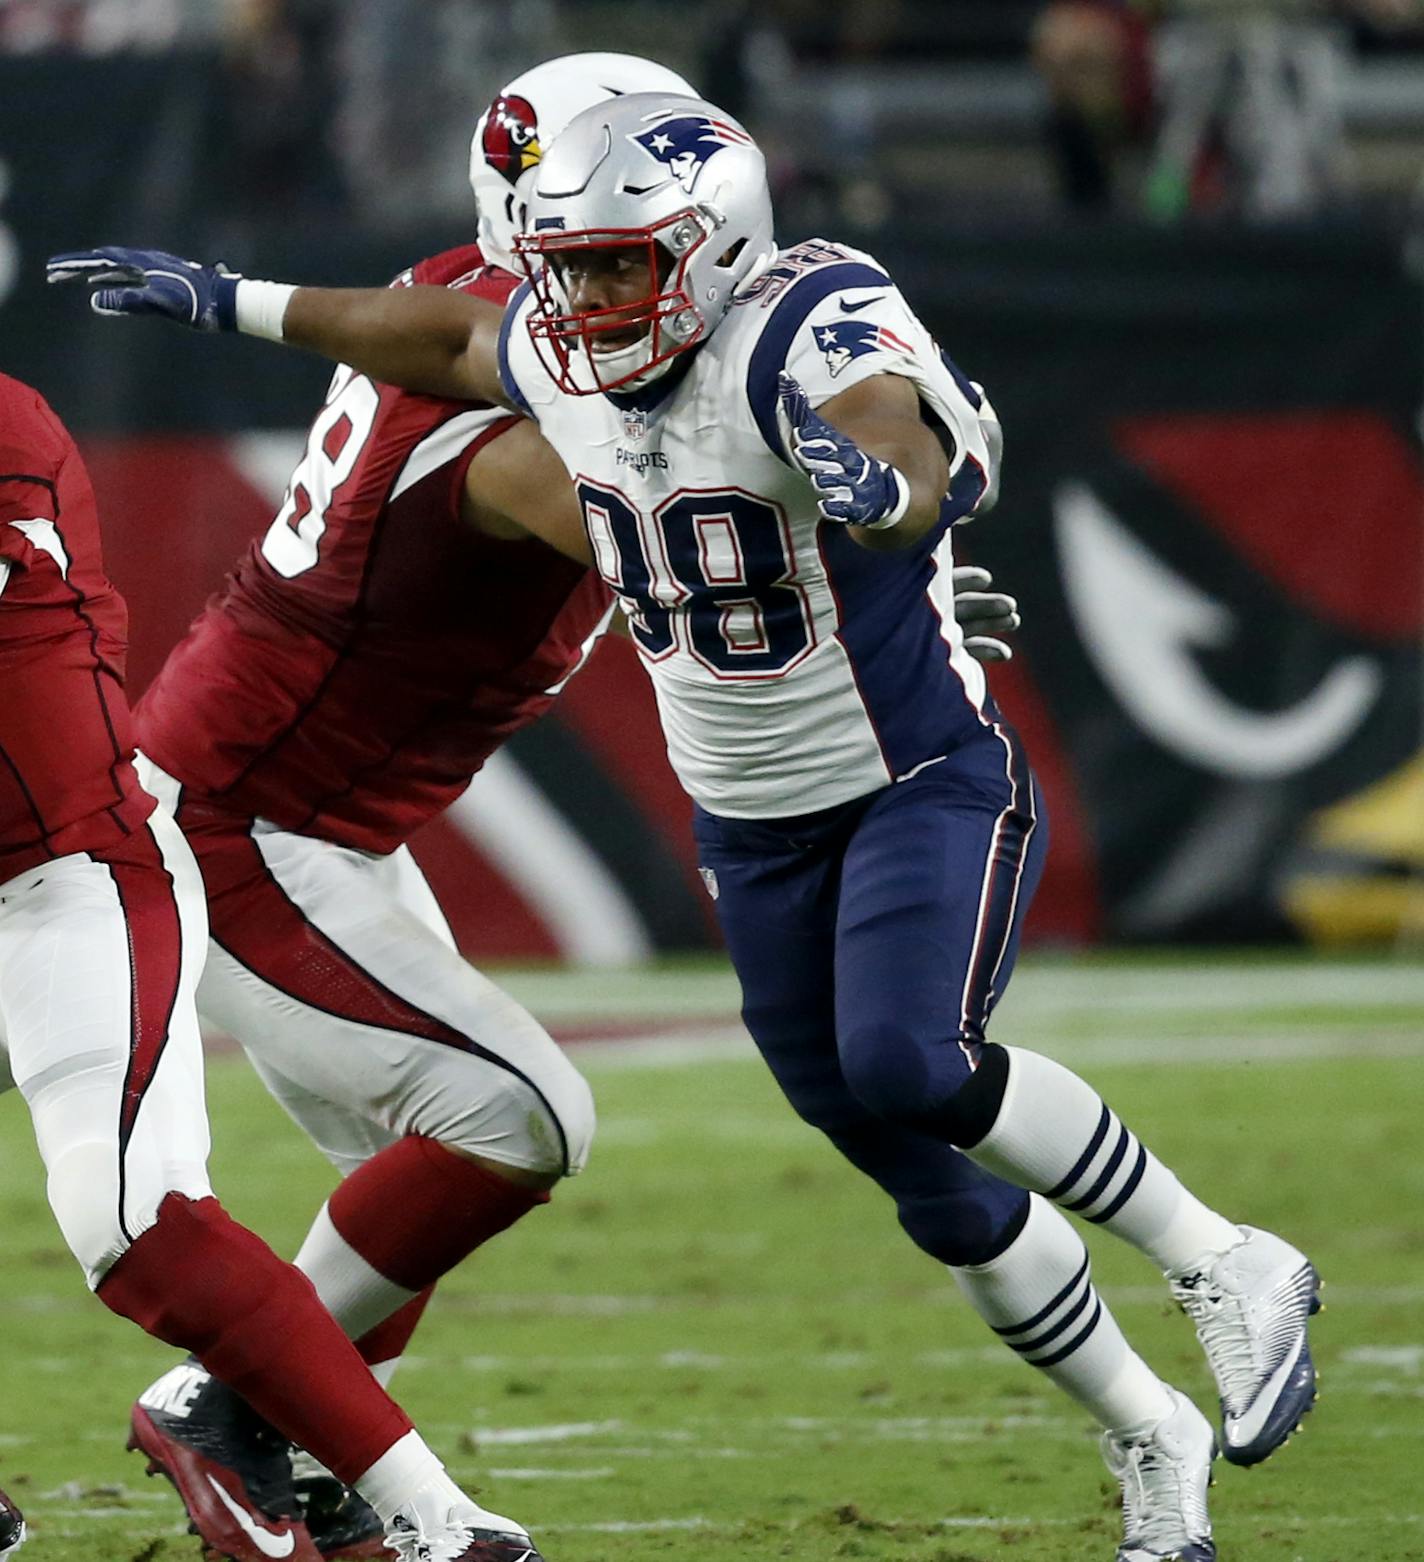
962, 380
506, 375
788, 315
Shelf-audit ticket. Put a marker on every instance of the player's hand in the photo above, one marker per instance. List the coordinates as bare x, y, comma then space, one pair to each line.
852, 488
984, 615
151, 282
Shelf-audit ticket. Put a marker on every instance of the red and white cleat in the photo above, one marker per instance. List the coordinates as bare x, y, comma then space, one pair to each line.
232, 1471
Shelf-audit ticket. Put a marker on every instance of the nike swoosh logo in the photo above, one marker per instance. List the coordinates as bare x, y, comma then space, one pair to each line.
1245, 1428
848, 308
267, 1543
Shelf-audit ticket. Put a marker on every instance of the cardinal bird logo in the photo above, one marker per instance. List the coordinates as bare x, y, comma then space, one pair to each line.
511, 139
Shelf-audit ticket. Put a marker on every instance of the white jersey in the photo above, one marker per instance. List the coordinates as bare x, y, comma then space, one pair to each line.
794, 669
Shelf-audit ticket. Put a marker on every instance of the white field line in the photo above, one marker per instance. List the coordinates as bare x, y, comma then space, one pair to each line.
559, 1433
604, 1305
698, 1522
606, 1472
892, 1428
1335, 1294
772, 1437
985, 1522
1150, 1044
1049, 985
676, 1050
701, 1361
1404, 1359
1213, 986
1086, 1015
632, 1526
110, 1516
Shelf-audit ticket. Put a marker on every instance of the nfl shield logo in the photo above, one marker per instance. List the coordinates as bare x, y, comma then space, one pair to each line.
635, 423
709, 878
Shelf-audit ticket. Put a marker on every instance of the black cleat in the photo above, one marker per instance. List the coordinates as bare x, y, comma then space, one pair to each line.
232, 1470
344, 1527
486, 1545
12, 1527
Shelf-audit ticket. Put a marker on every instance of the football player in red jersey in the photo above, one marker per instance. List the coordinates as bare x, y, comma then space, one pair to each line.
395, 625
102, 938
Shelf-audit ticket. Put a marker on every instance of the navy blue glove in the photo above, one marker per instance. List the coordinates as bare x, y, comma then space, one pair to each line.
151, 282
852, 488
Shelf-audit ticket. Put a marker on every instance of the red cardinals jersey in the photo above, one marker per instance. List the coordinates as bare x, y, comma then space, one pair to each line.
66, 781
372, 649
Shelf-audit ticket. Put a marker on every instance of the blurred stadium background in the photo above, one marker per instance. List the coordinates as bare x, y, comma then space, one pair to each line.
1183, 245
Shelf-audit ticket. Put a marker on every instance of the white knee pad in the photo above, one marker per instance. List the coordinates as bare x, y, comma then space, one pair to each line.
579, 1120
541, 1122
101, 1213
83, 1192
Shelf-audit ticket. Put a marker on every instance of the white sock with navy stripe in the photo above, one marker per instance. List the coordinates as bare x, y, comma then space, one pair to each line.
1054, 1135
1038, 1297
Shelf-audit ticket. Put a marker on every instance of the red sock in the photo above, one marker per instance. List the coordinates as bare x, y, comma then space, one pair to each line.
416, 1209
388, 1340
198, 1280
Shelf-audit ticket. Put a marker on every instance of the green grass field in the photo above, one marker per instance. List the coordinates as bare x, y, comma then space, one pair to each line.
716, 1344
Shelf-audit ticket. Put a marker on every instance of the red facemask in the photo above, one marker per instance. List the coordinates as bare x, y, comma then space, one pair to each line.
674, 322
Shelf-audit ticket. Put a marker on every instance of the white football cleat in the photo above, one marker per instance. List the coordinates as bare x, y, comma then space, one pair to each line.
1251, 1306
430, 1529
1164, 1474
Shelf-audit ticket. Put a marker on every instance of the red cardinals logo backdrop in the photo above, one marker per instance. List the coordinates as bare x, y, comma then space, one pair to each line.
511, 139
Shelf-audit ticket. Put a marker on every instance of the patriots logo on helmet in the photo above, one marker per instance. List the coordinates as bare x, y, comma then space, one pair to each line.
511, 139
847, 340
685, 144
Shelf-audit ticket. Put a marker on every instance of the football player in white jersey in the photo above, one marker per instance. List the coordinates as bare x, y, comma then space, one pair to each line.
770, 451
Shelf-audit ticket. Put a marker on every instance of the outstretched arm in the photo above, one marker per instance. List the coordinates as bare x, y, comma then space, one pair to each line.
428, 339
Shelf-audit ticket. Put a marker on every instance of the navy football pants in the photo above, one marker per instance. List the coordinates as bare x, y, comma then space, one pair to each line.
872, 941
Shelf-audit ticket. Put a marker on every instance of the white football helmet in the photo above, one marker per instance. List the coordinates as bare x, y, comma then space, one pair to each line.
678, 182
516, 129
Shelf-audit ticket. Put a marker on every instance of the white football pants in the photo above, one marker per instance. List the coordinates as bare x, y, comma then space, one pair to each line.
337, 973
99, 963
